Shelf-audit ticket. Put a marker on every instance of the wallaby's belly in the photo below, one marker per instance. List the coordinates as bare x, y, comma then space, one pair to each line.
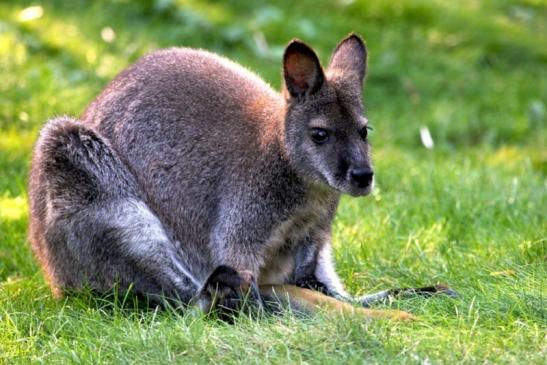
188, 125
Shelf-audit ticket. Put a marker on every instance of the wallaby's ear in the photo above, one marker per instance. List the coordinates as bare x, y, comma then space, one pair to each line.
349, 60
301, 70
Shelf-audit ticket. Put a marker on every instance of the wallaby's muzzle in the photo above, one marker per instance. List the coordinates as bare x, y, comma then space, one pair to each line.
361, 177
358, 181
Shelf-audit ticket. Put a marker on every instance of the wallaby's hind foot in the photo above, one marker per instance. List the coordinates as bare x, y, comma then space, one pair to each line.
228, 291
313, 301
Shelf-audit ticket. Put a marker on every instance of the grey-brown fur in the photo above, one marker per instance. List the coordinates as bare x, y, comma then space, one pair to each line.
187, 162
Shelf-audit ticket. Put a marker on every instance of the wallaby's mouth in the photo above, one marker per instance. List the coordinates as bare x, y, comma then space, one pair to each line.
354, 181
350, 188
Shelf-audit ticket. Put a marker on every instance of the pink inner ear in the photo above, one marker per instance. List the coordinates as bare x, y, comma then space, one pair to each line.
300, 81
301, 70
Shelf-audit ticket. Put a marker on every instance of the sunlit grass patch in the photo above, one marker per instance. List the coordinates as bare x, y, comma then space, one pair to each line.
13, 208
16, 142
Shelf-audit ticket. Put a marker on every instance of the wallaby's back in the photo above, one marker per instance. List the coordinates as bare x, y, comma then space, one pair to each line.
196, 129
190, 94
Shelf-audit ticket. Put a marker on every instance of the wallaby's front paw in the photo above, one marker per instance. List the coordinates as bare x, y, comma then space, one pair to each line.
446, 290
228, 291
392, 294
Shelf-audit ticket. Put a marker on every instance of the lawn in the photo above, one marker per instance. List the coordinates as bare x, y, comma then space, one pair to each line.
470, 212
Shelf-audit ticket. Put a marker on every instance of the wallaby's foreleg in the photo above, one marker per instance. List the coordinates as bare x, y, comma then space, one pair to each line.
315, 270
331, 285
89, 224
391, 294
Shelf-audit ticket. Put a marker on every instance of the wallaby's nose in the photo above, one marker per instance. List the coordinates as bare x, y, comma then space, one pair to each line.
361, 176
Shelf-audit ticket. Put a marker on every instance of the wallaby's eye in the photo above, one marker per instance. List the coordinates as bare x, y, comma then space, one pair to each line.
364, 132
319, 135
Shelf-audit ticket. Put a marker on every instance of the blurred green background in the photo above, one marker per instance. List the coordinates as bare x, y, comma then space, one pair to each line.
469, 211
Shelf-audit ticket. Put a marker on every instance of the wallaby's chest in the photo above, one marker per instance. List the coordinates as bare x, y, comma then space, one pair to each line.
301, 227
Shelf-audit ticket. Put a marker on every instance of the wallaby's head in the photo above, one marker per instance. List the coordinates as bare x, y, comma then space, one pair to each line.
325, 130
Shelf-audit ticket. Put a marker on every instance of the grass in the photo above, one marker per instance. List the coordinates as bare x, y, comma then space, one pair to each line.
470, 212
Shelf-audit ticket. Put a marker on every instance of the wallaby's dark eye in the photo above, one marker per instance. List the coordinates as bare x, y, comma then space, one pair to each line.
319, 135
364, 132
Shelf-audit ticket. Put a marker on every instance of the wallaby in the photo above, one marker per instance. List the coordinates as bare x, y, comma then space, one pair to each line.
190, 178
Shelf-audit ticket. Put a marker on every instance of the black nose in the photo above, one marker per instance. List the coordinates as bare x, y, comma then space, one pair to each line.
362, 176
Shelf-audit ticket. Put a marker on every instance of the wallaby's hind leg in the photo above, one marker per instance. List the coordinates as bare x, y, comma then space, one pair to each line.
229, 291
89, 226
